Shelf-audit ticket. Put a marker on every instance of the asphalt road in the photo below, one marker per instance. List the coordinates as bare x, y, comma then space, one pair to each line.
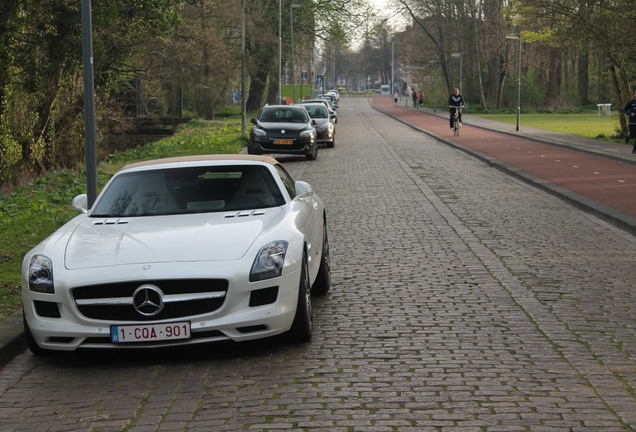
463, 300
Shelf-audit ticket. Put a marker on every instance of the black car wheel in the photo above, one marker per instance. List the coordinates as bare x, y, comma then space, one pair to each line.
31, 344
302, 326
313, 155
322, 285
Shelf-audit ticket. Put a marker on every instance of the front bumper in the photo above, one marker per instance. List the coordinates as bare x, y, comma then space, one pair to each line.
250, 310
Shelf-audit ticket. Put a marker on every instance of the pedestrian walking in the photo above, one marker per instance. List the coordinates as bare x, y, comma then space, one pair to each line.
630, 112
420, 98
414, 97
396, 97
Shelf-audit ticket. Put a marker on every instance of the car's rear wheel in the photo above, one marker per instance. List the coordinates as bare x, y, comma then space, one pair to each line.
302, 326
322, 285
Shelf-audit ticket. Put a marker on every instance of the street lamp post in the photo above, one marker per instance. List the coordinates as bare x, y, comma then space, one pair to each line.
291, 19
392, 66
280, 48
89, 103
517, 36
458, 54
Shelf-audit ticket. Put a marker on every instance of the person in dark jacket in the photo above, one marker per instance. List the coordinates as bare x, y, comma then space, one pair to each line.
455, 101
630, 112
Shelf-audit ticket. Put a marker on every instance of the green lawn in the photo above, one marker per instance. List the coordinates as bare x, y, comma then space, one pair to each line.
586, 125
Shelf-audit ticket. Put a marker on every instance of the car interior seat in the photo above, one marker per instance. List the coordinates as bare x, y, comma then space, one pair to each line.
152, 197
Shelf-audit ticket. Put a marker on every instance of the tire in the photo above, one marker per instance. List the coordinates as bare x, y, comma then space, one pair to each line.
332, 143
302, 326
322, 285
314, 153
31, 344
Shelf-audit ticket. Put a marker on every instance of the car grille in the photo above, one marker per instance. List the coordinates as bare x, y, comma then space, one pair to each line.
181, 298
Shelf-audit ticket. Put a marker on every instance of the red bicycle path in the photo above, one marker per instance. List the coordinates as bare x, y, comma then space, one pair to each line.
596, 176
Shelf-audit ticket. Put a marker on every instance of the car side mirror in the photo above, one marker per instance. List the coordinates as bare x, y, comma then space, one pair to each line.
80, 203
313, 122
303, 188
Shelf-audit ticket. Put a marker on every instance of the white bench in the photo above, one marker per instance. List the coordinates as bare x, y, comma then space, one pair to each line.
604, 108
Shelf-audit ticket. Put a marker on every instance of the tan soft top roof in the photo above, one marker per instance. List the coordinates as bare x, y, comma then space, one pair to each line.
211, 157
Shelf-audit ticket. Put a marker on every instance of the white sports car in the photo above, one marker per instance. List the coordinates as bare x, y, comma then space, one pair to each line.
181, 251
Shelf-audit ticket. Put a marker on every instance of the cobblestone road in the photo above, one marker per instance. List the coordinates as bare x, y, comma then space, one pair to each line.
463, 301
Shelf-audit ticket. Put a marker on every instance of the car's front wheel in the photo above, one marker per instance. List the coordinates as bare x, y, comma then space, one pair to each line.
313, 155
322, 285
302, 326
31, 344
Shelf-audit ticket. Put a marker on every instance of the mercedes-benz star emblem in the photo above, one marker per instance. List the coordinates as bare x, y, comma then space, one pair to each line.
148, 300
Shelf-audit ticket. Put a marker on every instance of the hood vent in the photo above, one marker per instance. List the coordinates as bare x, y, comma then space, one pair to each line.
112, 222
245, 213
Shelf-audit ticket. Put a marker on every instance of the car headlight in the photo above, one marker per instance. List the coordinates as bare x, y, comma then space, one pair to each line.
306, 134
41, 274
259, 133
269, 261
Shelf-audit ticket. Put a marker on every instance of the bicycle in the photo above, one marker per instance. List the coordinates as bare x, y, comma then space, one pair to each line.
457, 110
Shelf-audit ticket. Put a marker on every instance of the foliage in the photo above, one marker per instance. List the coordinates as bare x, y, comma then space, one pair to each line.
41, 86
32, 212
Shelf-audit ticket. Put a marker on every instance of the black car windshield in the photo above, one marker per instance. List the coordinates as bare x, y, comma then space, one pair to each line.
189, 190
284, 114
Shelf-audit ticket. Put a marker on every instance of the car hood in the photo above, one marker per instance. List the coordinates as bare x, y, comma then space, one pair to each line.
98, 242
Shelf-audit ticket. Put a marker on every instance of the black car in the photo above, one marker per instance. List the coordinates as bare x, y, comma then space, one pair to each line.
286, 129
325, 127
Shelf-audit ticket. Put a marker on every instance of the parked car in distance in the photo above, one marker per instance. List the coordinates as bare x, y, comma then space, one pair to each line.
181, 251
325, 126
286, 129
335, 94
333, 113
331, 98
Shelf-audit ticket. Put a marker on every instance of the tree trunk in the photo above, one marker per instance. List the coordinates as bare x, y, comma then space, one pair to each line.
553, 96
583, 77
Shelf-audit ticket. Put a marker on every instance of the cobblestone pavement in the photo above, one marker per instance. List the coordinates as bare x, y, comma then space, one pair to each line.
463, 301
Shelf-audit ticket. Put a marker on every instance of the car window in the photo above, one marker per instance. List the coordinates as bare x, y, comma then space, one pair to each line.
289, 115
289, 183
189, 190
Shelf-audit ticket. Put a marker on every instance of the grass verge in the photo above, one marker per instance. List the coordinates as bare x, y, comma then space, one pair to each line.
31, 213
585, 125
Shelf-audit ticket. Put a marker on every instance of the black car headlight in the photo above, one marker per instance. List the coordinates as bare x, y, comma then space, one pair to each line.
269, 261
307, 134
41, 274
259, 133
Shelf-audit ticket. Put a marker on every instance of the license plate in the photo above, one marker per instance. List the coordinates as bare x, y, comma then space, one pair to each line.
150, 332
283, 141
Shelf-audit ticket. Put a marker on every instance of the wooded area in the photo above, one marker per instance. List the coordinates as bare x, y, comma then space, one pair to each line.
183, 57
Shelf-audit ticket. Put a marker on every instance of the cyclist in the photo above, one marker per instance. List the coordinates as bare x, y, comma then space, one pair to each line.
630, 112
455, 101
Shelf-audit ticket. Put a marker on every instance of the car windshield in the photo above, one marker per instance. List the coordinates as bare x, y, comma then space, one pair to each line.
198, 189
316, 111
287, 115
